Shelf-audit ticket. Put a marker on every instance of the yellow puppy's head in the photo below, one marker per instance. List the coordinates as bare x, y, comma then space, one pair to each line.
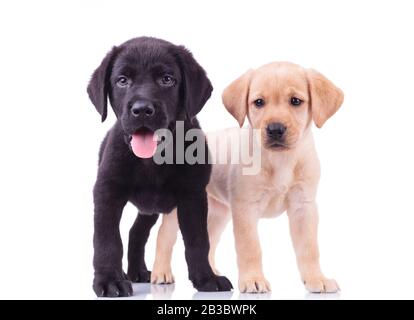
281, 99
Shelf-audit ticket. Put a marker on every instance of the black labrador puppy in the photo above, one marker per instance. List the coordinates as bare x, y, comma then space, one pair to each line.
150, 84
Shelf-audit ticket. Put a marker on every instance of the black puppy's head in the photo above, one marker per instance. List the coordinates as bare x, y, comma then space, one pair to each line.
150, 84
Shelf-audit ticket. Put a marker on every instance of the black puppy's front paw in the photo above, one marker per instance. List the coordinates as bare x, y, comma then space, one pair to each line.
139, 276
112, 286
212, 284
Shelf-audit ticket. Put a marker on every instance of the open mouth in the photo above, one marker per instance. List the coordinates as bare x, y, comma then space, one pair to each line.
144, 143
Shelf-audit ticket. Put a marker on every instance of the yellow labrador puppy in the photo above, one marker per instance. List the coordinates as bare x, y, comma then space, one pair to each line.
280, 101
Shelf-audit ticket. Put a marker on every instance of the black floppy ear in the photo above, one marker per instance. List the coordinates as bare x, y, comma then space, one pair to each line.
99, 84
196, 87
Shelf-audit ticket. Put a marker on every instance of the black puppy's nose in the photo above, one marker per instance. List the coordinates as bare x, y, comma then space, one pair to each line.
276, 130
142, 109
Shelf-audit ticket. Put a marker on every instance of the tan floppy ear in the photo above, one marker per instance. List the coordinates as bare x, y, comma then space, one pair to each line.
235, 97
326, 98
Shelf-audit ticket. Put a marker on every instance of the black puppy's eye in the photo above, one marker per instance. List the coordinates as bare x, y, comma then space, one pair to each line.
295, 101
122, 81
259, 103
167, 81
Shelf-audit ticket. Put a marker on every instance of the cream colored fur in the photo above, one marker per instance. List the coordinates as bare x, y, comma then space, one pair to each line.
287, 181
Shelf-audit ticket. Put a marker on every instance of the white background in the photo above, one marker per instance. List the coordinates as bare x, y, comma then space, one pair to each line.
50, 134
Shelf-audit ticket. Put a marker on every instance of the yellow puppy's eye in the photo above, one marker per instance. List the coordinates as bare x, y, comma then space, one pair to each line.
295, 101
259, 103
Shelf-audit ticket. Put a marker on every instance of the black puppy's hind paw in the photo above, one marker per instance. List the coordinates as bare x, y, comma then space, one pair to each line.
213, 284
139, 276
113, 288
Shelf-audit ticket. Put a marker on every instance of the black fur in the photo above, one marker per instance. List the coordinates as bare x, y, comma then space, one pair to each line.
152, 188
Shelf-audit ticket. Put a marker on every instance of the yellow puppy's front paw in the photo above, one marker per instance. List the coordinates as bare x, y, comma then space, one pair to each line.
320, 284
255, 284
162, 277
216, 272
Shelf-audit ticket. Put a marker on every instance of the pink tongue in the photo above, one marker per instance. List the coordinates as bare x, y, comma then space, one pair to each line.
144, 144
